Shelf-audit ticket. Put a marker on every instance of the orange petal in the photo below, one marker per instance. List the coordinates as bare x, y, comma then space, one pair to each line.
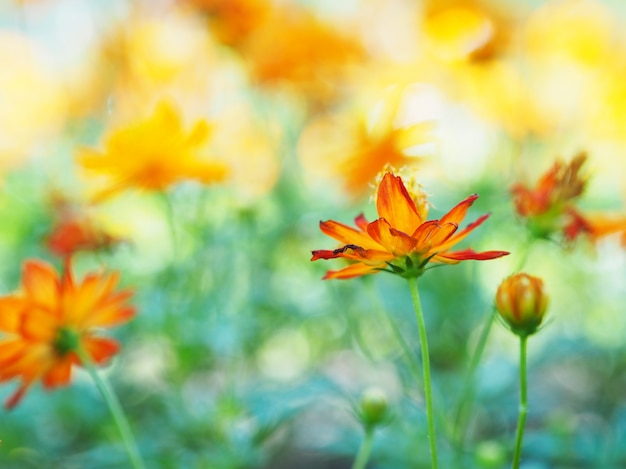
354, 270
469, 254
458, 212
394, 241
17, 396
11, 309
41, 283
59, 374
463, 233
100, 349
39, 325
347, 235
394, 204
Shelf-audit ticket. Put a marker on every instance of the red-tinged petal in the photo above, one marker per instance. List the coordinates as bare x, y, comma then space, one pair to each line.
41, 283
347, 235
394, 204
324, 254
11, 309
458, 212
394, 241
423, 233
442, 234
100, 349
353, 252
352, 271
470, 254
463, 233
17, 396
361, 222
59, 374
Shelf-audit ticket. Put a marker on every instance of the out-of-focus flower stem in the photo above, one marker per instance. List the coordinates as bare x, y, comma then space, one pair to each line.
428, 395
365, 450
115, 408
523, 403
465, 405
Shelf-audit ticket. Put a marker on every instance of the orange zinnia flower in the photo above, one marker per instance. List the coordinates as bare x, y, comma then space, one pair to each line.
401, 241
51, 319
153, 154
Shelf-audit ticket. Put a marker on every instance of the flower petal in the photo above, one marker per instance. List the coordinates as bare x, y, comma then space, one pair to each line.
469, 254
393, 240
463, 233
458, 212
41, 283
394, 204
354, 270
347, 235
11, 309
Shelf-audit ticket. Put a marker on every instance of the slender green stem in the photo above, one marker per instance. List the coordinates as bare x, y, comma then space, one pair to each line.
365, 450
115, 408
428, 395
465, 406
523, 403
171, 223
466, 403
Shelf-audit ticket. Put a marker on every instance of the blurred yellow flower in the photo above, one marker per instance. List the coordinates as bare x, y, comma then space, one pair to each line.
464, 30
33, 104
45, 324
153, 154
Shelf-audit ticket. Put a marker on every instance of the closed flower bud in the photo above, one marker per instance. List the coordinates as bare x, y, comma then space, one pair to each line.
521, 301
373, 409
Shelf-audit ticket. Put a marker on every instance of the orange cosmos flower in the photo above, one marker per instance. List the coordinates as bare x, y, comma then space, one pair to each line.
75, 230
401, 241
50, 319
546, 205
154, 154
522, 302
594, 226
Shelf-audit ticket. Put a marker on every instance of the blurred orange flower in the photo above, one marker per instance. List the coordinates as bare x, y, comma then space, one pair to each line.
153, 154
53, 317
400, 241
547, 204
294, 50
75, 230
594, 226
358, 148
232, 21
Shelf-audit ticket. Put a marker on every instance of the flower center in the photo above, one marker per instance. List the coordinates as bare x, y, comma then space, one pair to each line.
66, 341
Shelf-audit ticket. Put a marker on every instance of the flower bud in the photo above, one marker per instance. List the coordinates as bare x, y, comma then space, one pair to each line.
373, 409
521, 301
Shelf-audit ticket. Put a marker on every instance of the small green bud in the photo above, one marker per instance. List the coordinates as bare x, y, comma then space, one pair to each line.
373, 409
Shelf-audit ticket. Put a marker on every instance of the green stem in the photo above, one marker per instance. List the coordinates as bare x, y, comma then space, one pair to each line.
115, 408
171, 223
466, 404
428, 395
365, 450
523, 403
